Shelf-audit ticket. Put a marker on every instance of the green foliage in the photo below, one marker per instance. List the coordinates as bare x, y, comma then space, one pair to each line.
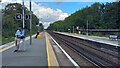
99, 16
118, 34
10, 24
6, 40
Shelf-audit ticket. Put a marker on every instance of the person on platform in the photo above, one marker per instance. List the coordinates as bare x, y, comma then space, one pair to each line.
37, 34
19, 35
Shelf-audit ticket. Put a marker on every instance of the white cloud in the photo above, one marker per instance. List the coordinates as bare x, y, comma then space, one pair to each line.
62, 0
72, 0
45, 15
9, 1
48, 15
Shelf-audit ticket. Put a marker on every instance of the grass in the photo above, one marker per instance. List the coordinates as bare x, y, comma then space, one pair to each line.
10, 39
7, 40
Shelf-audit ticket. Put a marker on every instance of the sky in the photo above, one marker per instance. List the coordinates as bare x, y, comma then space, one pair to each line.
49, 11
68, 7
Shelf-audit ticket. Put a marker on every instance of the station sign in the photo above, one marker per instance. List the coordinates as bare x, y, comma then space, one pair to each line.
18, 16
27, 16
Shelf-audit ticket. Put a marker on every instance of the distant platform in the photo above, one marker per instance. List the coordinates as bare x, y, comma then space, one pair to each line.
104, 40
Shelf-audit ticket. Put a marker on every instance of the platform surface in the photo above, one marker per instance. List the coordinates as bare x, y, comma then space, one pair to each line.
35, 55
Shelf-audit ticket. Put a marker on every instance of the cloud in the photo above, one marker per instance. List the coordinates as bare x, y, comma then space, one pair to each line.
49, 15
45, 15
62, 0
73, 0
115, 0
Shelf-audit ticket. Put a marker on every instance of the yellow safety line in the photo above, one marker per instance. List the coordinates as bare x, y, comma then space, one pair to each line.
48, 54
6, 48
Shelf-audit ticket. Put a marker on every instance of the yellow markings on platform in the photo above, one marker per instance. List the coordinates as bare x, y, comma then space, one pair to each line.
48, 54
75, 34
6, 48
39, 36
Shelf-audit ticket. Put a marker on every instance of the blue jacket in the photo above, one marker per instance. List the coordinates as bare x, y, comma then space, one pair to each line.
19, 33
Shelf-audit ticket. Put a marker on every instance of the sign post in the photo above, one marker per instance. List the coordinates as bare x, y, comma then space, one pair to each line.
23, 14
30, 24
23, 20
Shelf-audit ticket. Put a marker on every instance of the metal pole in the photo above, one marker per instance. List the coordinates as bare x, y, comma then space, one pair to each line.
70, 29
23, 16
87, 28
30, 24
73, 29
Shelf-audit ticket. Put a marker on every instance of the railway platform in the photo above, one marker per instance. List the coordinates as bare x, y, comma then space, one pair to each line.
104, 40
43, 52
35, 54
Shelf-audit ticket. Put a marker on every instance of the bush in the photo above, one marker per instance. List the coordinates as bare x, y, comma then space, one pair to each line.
7, 40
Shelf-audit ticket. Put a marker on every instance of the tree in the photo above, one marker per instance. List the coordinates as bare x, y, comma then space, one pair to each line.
10, 24
99, 16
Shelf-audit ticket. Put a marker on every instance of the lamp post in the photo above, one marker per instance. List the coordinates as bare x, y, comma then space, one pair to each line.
30, 24
73, 29
23, 20
23, 14
87, 28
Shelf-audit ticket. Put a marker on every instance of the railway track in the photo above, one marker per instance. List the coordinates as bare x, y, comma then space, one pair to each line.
95, 55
